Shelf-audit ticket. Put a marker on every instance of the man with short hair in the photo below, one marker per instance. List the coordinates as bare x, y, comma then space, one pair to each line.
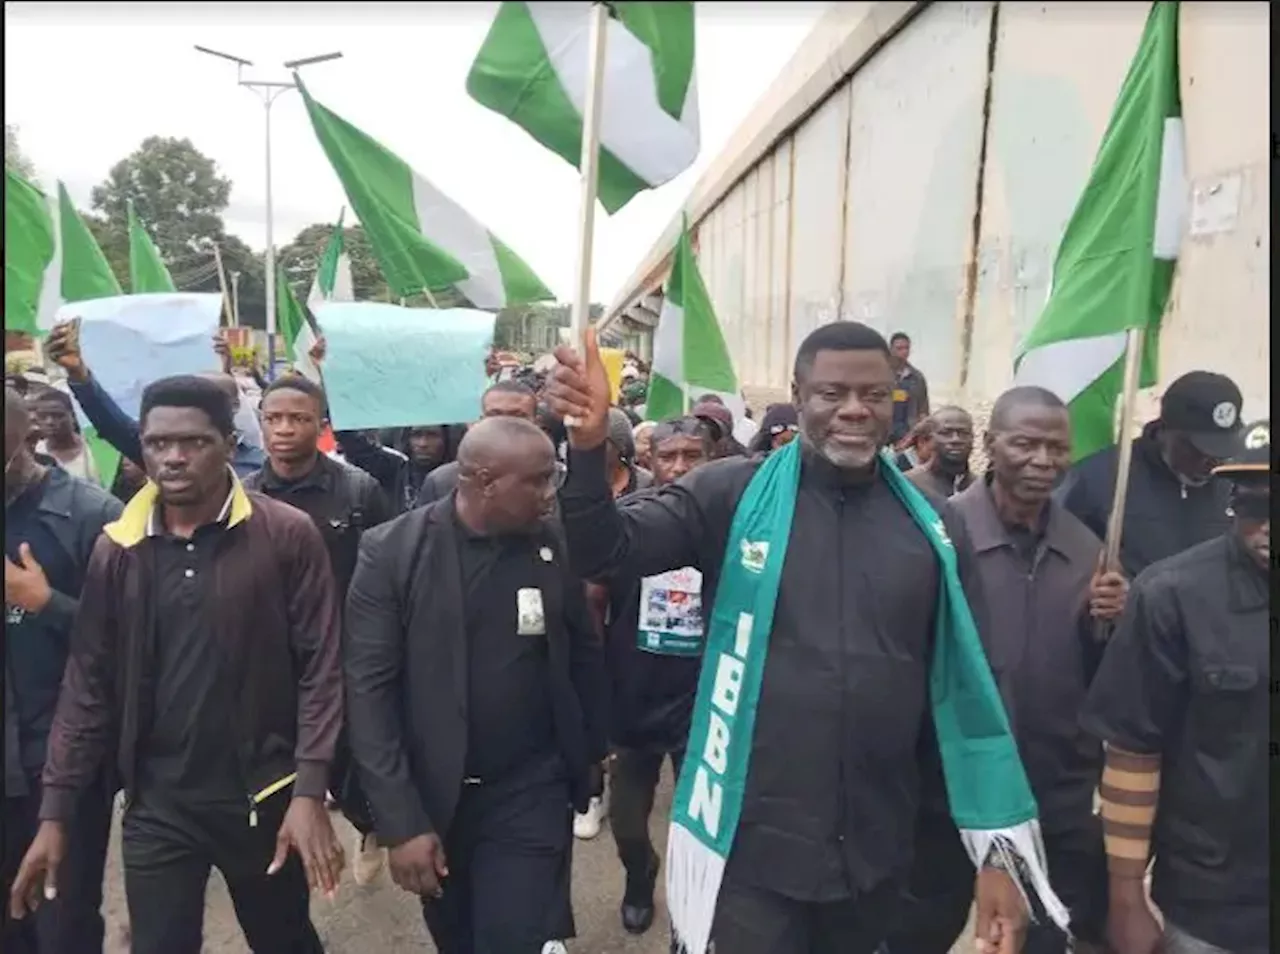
475, 682
51, 521
1174, 501
54, 416
206, 653
1182, 703
910, 389
653, 645
946, 471
111, 422
718, 421
831, 582
343, 502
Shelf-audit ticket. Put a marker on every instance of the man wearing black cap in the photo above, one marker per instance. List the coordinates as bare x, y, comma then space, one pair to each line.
719, 421
1174, 501
1181, 701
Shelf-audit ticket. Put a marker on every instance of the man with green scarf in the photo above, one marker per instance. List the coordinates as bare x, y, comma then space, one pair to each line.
839, 624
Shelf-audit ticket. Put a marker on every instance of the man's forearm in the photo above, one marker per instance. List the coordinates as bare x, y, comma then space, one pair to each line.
107, 417
1130, 794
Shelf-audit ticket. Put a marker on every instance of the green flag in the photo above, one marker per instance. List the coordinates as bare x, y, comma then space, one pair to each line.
147, 271
333, 273
1115, 263
422, 239
533, 69
290, 319
690, 358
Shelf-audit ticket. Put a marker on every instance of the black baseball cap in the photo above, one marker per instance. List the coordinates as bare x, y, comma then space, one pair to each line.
1253, 455
1205, 408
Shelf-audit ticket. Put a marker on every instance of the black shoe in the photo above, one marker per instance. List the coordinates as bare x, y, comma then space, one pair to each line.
637, 899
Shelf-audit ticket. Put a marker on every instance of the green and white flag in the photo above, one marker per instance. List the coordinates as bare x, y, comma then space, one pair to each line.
1114, 266
422, 239
290, 318
333, 282
533, 69
690, 358
147, 271
50, 257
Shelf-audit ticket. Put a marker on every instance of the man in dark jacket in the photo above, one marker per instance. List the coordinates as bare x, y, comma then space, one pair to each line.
504, 399
910, 389
343, 501
831, 796
1174, 502
946, 472
206, 650
653, 644
475, 681
111, 422
51, 521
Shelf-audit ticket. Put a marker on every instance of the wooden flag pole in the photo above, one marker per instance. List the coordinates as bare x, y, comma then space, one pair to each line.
589, 165
1124, 457
222, 284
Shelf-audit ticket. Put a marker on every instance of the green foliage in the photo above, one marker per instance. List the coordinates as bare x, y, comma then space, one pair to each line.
13, 155
301, 257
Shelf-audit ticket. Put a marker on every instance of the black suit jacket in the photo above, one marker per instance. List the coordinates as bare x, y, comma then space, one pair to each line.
405, 662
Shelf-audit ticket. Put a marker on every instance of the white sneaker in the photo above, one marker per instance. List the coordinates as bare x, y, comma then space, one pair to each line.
368, 859
587, 825
554, 947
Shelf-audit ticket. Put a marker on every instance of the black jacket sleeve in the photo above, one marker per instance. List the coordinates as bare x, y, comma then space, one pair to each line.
587, 669
374, 662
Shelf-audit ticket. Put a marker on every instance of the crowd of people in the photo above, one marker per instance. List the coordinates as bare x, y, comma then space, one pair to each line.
478, 640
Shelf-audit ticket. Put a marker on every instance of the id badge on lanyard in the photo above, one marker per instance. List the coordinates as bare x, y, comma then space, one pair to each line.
671, 613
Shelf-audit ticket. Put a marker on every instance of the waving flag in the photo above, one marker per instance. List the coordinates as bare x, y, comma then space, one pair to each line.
147, 271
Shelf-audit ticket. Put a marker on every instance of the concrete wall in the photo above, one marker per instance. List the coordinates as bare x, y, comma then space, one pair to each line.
867, 210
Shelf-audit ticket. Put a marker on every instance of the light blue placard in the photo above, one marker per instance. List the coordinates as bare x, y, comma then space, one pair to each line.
387, 366
128, 341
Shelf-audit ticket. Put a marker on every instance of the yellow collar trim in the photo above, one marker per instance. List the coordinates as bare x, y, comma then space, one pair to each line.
135, 523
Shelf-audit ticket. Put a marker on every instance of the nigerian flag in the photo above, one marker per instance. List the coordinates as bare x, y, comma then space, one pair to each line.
690, 358
422, 239
332, 283
533, 69
51, 258
1114, 266
290, 318
147, 271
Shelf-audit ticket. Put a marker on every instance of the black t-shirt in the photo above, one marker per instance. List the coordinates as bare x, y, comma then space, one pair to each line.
509, 716
189, 751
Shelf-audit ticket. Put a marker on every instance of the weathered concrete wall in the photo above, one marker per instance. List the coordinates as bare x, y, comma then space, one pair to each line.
867, 210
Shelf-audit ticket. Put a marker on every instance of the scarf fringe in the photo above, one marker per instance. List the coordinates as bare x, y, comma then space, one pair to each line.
694, 873
1021, 852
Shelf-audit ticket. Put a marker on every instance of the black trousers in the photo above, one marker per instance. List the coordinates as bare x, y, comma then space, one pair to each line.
756, 921
633, 779
509, 851
940, 895
168, 852
72, 923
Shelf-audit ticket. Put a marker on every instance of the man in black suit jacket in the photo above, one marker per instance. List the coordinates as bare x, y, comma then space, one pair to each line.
475, 686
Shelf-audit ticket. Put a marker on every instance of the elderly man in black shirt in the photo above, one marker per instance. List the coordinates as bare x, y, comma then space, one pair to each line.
475, 680
842, 722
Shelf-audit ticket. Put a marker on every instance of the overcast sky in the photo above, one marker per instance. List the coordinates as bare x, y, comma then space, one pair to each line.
87, 82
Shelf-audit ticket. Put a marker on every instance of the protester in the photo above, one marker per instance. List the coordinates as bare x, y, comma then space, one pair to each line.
51, 521
718, 420
653, 645
1182, 702
130, 478
1043, 588
1174, 502
476, 680
777, 429
60, 438
910, 390
222, 699
641, 435
917, 449
112, 424
504, 399
946, 472
830, 792
343, 502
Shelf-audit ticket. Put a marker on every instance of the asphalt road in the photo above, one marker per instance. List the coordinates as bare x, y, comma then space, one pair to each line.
382, 919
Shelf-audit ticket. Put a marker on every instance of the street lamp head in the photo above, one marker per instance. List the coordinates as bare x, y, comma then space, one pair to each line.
308, 60
225, 56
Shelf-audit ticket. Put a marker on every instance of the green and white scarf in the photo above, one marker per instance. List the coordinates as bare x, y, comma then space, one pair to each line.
989, 795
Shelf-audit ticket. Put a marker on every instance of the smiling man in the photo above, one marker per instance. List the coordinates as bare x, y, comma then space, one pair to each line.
206, 653
793, 818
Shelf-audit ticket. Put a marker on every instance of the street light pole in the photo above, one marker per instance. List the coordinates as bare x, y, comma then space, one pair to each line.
268, 92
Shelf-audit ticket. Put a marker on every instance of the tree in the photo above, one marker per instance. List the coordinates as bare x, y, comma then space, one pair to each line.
301, 257
14, 158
